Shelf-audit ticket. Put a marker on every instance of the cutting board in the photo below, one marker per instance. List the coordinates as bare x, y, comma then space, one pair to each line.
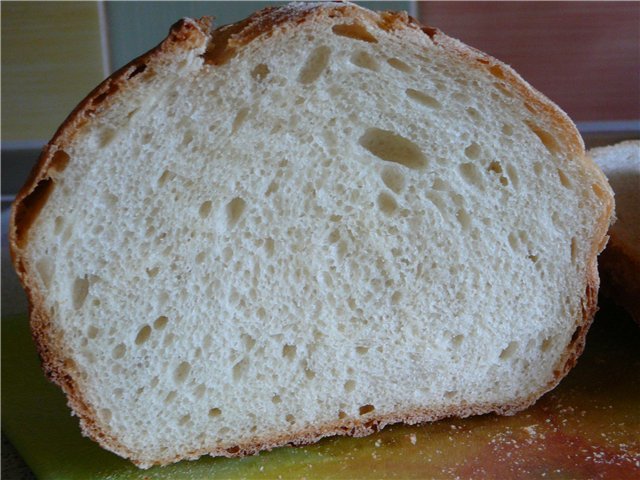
588, 427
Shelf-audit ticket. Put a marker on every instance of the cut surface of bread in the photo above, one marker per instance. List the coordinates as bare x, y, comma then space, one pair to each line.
318, 221
620, 262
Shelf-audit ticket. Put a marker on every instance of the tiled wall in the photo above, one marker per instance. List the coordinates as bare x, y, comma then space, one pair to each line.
584, 55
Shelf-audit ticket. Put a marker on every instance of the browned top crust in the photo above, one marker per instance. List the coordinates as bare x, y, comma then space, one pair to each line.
216, 48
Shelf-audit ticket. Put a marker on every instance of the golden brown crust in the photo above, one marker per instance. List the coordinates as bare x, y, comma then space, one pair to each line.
221, 45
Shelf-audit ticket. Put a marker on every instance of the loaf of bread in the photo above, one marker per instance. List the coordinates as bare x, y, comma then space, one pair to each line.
620, 262
318, 221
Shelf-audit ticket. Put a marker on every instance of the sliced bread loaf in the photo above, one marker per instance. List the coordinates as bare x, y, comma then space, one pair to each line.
317, 221
620, 262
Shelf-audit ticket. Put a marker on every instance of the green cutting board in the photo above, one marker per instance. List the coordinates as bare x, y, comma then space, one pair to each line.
588, 427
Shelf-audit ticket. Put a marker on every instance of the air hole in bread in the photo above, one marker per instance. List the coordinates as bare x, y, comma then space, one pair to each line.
137, 70
423, 98
393, 179
205, 209
387, 204
439, 203
227, 254
471, 174
574, 250
513, 176
106, 137
457, 340
597, 189
399, 65
495, 167
152, 272
79, 292
391, 147
160, 322
143, 335
546, 344
272, 188
396, 297
463, 218
260, 72
290, 418
181, 372
363, 60
92, 332
440, 185
362, 350
509, 351
110, 199
45, 269
474, 114
349, 386
119, 351
239, 369
530, 107
169, 338
215, 412
364, 409
58, 225
546, 138
239, 119
165, 178
513, 241
200, 257
315, 64
450, 394
342, 415
66, 235
310, 374
105, 415
356, 31
59, 161
289, 352
187, 138
472, 151
537, 168
200, 391
248, 341
113, 87
184, 419
564, 180
502, 88
496, 71
207, 341
235, 209
507, 130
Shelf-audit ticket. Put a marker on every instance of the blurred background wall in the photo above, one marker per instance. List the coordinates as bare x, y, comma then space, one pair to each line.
583, 55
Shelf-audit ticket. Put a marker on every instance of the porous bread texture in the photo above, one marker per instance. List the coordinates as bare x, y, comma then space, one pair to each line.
620, 262
318, 221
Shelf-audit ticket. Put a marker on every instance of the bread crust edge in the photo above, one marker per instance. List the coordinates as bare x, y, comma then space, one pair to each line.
188, 33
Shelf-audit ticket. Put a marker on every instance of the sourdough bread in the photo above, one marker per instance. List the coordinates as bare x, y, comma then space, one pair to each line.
620, 262
317, 221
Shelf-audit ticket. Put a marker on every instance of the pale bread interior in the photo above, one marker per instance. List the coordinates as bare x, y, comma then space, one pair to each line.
339, 223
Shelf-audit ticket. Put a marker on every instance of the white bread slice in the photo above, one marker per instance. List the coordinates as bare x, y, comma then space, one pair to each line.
620, 262
318, 221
